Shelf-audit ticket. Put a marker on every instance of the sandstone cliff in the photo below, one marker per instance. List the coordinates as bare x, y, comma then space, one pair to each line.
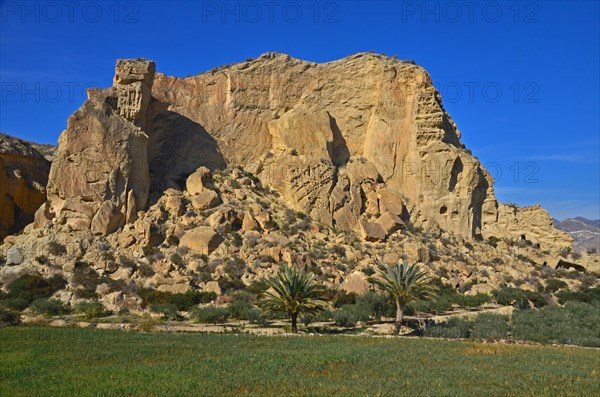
23, 178
210, 182
361, 143
340, 140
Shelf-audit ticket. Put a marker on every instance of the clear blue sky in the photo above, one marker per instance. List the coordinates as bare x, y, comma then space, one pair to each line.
521, 79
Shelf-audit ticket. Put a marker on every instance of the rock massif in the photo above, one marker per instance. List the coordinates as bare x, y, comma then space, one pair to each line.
23, 178
210, 182
345, 141
362, 143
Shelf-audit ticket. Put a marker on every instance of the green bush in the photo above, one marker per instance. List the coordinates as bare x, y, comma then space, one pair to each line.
344, 318
28, 288
257, 316
376, 305
85, 277
576, 323
49, 307
167, 310
241, 310
454, 328
9, 317
210, 314
342, 298
490, 326
90, 310
555, 284
183, 302
519, 298
587, 295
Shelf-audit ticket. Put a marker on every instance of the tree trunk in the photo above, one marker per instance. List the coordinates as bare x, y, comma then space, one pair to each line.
399, 317
295, 323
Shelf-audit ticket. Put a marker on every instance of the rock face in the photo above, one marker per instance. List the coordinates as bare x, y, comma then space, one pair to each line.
99, 178
361, 144
343, 141
23, 177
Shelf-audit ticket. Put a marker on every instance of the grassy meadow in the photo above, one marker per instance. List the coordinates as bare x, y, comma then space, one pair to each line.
40, 361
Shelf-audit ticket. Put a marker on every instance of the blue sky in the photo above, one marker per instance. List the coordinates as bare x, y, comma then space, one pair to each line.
521, 79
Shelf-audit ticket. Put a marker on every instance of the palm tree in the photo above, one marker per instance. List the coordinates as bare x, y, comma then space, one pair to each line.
405, 284
293, 291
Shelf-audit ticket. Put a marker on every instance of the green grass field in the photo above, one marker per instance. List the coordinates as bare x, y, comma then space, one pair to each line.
37, 361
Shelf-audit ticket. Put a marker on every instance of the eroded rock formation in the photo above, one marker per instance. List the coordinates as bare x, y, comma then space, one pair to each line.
23, 178
362, 143
99, 177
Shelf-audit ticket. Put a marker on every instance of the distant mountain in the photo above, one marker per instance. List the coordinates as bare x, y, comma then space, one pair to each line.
585, 232
45, 150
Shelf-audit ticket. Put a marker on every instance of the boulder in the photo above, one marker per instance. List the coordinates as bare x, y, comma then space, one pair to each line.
198, 181
389, 222
371, 231
356, 282
212, 286
205, 199
108, 219
202, 239
14, 256
249, 223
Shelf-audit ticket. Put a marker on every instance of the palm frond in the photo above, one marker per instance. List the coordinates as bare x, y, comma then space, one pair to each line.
292, 291
406, 283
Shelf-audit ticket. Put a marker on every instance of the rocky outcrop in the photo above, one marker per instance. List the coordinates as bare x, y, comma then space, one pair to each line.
360, 144
99, 178
343, 141
23, 177
531, 224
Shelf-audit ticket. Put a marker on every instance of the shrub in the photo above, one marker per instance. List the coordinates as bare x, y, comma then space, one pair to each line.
90, 310
376, 305
48, 307
41, 259
28, 288
257, 316
342, 298
344, 318
555, 284
587, 295
86, 278
240, 310
369, 271
235, 267
178, 261
167, 310
228, 285
454, 328
493, 241
127, 262
518, 298
56, 249
576, 323
8, 317
182, 302
307, 319
210, 314
490, 326
173, 240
